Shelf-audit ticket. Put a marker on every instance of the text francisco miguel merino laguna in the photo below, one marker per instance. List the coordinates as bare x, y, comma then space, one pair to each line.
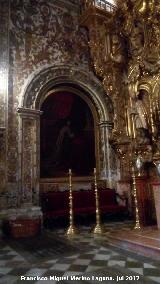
80, 278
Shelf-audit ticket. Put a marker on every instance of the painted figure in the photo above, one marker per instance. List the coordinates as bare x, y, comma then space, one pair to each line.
63, 144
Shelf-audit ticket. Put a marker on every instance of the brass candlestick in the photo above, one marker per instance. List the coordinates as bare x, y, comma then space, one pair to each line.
98, 228
71, 230
133, 152
137, 219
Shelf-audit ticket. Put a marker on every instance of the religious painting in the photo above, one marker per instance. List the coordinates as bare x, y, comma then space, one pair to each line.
67, 136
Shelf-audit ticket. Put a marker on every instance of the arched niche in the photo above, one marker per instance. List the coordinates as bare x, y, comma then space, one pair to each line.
143, 106
86, 85
69, 134
149, 91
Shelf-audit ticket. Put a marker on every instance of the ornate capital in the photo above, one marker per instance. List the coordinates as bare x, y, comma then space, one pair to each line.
106, 124
29, 113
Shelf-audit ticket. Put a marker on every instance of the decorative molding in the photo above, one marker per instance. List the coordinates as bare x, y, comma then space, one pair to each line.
107, 124
29, 113
53, 76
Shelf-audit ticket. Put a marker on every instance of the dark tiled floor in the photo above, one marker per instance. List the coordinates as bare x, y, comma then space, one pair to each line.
53, 254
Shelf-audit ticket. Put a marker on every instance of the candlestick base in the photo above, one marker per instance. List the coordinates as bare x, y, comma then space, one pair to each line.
98, 229
72, 230
137, 226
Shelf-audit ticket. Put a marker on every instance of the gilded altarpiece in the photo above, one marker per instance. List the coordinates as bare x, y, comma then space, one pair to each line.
125, 49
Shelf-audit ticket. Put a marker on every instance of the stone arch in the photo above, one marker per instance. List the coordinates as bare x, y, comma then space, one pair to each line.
51, 76
29, 121
146, 86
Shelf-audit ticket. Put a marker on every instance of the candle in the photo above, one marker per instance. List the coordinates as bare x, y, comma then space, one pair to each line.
70, 179
94, 170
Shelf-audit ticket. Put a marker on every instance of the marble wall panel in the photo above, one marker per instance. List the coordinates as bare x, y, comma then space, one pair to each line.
4, 16
41, 33
3, 59
34, 34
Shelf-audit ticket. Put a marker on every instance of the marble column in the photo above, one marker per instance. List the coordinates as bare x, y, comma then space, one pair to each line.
3, 196
4, 68
104, 156
29, 155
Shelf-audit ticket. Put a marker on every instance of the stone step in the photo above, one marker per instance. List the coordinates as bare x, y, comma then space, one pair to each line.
141, 242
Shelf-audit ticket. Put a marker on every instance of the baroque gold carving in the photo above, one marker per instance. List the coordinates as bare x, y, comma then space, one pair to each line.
128, 63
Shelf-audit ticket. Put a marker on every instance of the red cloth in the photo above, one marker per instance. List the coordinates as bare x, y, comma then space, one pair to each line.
56, 204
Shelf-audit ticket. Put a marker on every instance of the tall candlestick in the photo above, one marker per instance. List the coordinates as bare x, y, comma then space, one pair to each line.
98, 228
137, 217
71, 230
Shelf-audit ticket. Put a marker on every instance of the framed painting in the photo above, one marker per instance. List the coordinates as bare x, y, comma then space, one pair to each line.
67, 136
